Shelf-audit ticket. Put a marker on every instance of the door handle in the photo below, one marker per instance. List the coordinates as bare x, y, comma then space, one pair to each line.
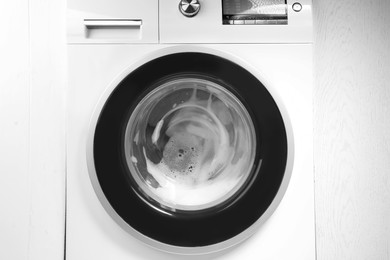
91, 23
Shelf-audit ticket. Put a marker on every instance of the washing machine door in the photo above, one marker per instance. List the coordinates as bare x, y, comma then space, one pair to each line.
189, 152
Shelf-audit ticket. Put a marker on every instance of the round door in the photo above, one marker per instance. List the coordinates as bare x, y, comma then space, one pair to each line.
189, 152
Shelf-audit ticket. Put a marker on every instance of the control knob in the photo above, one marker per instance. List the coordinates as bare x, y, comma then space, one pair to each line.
189, 8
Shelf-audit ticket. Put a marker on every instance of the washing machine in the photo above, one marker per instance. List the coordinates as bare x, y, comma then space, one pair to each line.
189, 130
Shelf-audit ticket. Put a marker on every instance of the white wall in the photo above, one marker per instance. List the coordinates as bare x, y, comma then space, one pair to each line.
32, 163
352, 127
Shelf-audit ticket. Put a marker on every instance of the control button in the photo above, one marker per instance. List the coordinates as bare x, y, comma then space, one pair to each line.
261, 21
189, 8
297, 7
250, 21
239, 21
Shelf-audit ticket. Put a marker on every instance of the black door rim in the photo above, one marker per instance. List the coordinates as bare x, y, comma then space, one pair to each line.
158, 241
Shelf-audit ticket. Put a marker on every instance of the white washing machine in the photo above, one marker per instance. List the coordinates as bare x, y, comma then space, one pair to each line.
189, 130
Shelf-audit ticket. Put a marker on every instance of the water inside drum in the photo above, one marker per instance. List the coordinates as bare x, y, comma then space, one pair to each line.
190, 144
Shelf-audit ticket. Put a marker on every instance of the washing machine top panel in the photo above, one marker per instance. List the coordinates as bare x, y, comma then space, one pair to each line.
238, 21
196, 21
180, 227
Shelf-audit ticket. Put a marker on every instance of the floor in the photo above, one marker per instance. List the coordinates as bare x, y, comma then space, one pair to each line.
351, 129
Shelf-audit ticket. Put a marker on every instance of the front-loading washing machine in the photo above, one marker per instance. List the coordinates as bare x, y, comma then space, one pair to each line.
189, 130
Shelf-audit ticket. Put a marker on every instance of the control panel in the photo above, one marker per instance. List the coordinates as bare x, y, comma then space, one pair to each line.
239, 12
235, 21
189, 21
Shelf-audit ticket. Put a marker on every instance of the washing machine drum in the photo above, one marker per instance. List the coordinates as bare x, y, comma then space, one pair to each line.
190, 150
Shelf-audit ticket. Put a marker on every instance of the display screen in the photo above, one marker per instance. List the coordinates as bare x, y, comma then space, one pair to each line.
254, 12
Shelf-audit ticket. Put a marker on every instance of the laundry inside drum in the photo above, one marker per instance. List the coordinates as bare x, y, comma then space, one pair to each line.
190, 145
